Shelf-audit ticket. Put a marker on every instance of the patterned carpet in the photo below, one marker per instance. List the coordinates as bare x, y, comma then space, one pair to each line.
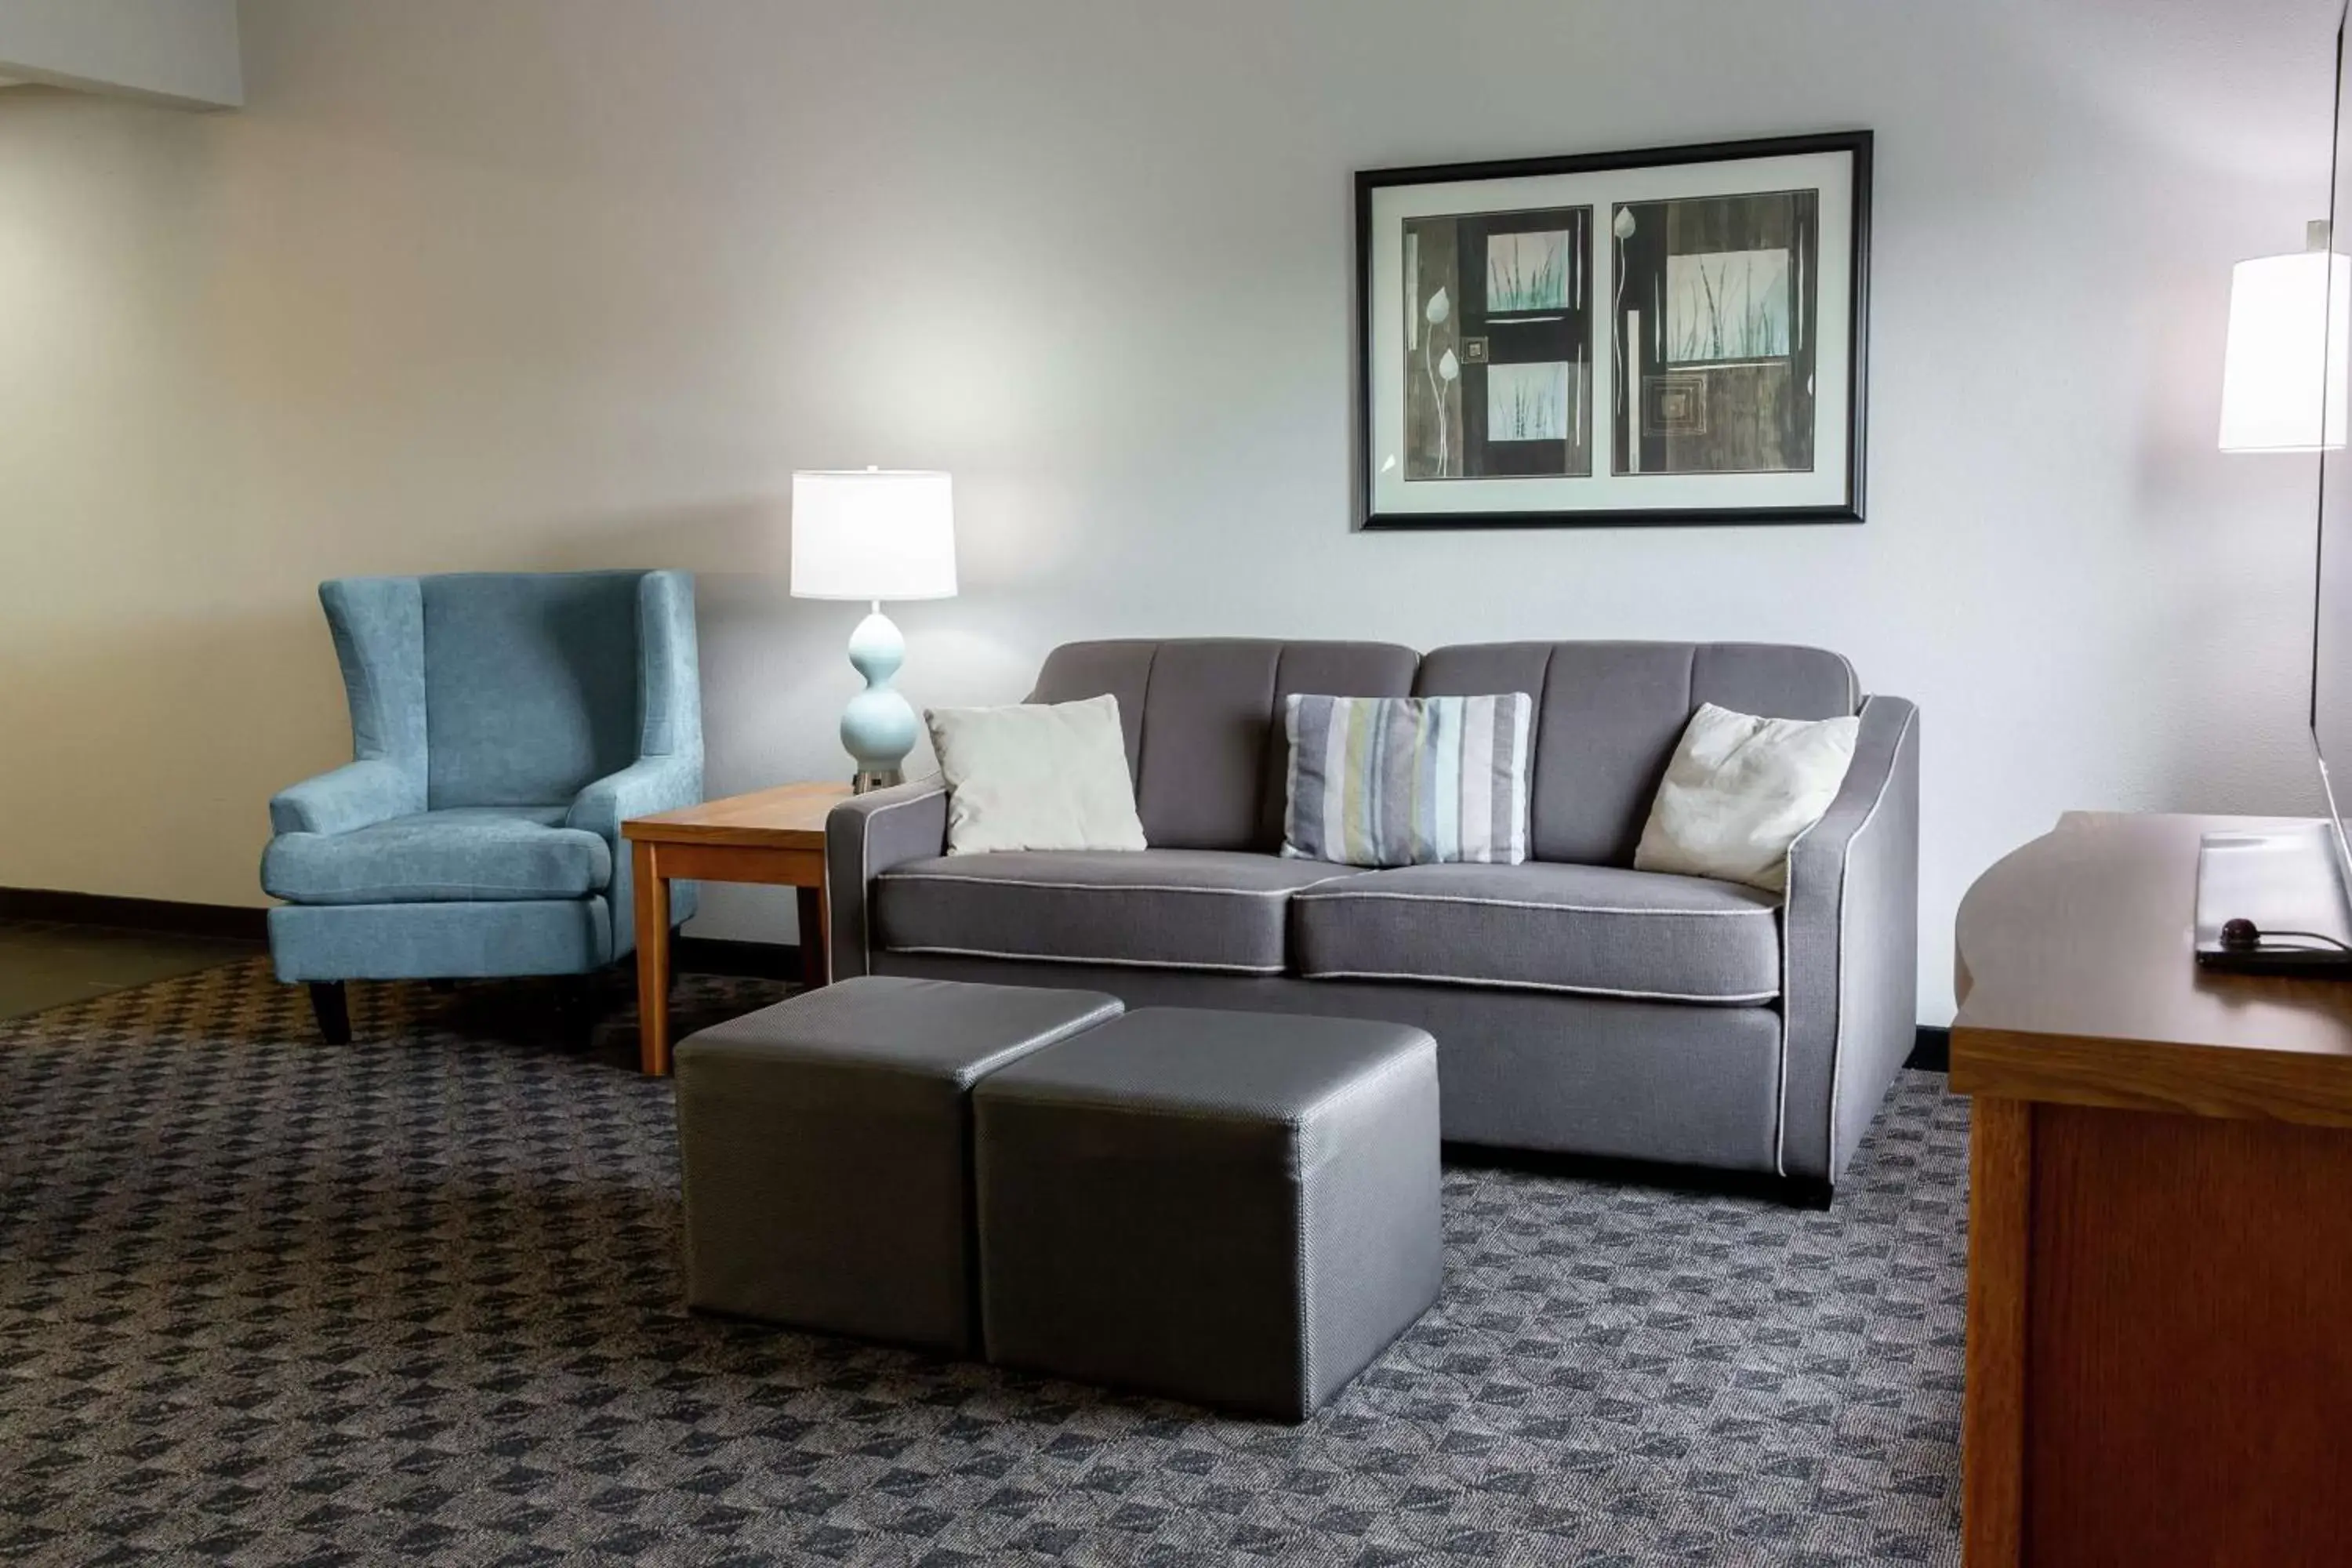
414, 1299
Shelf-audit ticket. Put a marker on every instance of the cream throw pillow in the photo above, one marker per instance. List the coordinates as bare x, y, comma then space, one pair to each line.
1739, 790
1035, 776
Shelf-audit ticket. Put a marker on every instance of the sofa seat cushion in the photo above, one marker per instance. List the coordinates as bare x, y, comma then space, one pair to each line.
470, 854
1545, 926
1174, 909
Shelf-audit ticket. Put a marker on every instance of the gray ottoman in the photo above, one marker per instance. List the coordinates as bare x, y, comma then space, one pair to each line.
827, 1150
1231, 1208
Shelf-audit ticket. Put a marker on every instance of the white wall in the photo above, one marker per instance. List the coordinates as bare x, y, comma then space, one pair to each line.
560, 283
181, 52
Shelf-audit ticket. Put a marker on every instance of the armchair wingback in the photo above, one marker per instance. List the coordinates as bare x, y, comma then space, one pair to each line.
503, 725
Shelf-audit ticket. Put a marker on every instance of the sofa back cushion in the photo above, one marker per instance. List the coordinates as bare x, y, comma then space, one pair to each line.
1607, 715
531, 684
1203, 722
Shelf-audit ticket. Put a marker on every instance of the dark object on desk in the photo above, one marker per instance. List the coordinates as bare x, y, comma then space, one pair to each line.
2271, 901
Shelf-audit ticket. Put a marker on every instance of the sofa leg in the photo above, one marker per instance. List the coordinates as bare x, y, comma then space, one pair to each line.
334, 1009
1809, 1193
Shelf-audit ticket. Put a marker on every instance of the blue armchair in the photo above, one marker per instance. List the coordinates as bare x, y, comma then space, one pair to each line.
502, 727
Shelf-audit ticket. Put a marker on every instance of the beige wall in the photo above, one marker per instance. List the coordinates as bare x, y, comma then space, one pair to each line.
555, 283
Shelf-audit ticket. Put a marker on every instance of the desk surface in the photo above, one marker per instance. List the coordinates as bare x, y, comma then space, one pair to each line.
2078, 984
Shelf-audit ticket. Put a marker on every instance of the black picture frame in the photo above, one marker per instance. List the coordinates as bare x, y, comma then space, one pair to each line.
1850, 508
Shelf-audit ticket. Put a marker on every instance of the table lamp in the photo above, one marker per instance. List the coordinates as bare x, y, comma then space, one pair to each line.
874, 534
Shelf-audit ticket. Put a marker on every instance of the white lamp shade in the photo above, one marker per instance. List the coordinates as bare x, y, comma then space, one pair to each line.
873, 533
2283, 387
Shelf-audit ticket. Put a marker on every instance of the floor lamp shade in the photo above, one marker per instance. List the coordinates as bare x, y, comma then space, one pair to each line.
874, 534
2283, 386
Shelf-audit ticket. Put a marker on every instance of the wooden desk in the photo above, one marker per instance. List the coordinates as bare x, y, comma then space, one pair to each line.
772, 835
2159, 1335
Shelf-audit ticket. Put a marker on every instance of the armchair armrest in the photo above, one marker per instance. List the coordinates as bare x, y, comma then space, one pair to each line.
645, 786
355, 796
1850, 949
864, 836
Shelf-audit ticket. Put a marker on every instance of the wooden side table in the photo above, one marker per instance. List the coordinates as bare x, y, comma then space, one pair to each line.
771, 835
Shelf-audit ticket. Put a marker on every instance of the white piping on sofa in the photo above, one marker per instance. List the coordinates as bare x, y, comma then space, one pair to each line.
1091, 958
1767, 910
1484, 982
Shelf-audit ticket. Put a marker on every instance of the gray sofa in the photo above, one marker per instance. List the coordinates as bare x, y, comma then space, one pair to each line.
1579, 1006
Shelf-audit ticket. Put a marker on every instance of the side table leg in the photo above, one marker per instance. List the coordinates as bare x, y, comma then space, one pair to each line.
653, 962
813, 933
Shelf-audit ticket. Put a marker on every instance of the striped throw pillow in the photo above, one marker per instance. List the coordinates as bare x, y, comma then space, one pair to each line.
1408, 781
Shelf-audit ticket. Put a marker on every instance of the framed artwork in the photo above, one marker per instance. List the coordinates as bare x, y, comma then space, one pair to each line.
1661, 337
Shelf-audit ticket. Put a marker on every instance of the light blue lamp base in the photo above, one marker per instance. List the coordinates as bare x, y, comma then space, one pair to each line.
878, 728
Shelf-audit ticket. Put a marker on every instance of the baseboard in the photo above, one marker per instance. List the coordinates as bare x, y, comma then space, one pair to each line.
1931, 1049
227, 922
721, 956
230, 923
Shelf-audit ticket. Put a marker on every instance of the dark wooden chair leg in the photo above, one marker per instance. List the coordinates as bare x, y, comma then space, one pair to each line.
333, 1008
577, 1010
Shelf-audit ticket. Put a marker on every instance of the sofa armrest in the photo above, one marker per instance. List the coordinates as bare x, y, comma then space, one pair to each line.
355, 796
1850, 949
645, 786
864, 837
